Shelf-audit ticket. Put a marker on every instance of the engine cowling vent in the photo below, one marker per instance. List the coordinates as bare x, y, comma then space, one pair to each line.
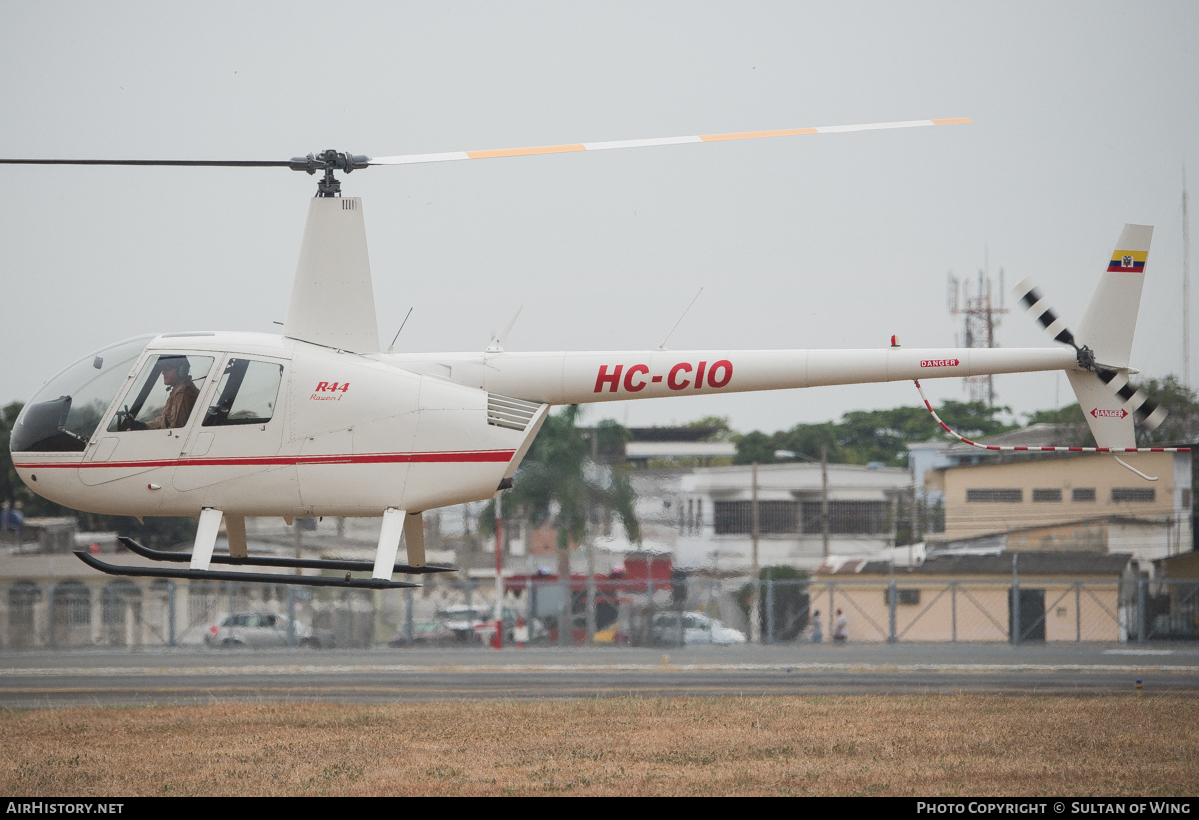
515, 414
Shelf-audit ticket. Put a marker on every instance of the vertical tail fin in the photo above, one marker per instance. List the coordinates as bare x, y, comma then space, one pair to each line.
1107, 400
1111, 318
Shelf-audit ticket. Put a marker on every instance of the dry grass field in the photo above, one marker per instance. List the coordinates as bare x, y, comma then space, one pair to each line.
939, 745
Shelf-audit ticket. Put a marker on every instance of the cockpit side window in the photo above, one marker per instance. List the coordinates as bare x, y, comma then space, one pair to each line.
62, 416
247, 393
163, 394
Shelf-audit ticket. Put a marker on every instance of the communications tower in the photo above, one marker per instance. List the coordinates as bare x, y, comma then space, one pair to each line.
981, 317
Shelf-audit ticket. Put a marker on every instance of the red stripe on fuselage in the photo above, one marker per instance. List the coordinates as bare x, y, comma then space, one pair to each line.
452, 457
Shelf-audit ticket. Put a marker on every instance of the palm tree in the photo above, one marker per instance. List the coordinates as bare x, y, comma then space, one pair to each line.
560, 483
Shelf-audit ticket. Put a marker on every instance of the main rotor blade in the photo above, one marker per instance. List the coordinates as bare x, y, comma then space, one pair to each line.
412, 159
236, 163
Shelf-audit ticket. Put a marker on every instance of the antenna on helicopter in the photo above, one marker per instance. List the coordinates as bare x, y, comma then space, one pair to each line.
679, 322
391, 348
497, 341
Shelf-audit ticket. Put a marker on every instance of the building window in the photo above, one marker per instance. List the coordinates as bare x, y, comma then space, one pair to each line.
1001, 496
903, 597
1047, 495
1082, 494
848, 517
774, 517
1141, 494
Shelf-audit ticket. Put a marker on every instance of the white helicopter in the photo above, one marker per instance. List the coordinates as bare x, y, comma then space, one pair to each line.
321, 421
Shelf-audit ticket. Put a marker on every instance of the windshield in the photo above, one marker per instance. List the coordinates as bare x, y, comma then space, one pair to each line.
62, 416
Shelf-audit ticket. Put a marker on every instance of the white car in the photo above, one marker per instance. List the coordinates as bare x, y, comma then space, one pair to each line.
257, 629
698, 628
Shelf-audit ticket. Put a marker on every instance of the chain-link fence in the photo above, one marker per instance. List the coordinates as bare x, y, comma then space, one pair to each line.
122, 613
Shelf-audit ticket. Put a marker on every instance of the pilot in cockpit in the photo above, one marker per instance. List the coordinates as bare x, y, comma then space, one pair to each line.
176, 375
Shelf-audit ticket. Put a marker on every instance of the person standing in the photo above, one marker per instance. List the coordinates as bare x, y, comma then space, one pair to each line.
840, 628
817, 627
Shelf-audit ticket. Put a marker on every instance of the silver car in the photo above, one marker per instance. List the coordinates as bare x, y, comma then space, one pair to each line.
698, 628
257, 630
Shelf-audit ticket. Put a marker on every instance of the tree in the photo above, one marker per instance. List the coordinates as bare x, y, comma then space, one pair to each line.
1181, 402
865, 436
558, 483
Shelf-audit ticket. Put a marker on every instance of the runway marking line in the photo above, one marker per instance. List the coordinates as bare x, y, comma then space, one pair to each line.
209, 691
311, 669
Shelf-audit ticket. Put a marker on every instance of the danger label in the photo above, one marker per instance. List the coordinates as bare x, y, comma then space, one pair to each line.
939, 363
1109, 414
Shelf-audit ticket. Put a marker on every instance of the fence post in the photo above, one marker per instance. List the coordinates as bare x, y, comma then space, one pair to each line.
170, 613
769, 608
953, 611
529, 608
1140, 610
408, 628
291, 615
1015, 619
891, 609
829, 620
50, 613
1078, 611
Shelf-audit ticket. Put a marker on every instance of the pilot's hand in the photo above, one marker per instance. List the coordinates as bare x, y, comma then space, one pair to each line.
128, 422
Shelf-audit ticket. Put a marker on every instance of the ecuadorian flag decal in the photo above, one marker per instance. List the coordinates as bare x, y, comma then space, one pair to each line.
1128, 261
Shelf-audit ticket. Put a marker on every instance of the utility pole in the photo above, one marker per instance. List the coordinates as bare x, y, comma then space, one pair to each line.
590, 589
824, 528
755, 628
499, 573
1186, 286
591, 551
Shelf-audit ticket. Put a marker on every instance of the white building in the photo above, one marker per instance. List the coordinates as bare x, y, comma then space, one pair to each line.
703, 518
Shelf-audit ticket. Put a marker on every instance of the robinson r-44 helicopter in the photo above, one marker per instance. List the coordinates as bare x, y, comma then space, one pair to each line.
321, 421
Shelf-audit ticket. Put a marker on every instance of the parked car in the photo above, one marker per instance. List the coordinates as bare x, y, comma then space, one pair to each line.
698, 628
425, 633
460, 621
258, 630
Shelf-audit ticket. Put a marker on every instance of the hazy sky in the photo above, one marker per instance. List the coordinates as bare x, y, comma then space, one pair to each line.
1084, 116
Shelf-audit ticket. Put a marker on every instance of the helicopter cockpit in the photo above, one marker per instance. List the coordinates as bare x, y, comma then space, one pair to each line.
164, 393
62, 416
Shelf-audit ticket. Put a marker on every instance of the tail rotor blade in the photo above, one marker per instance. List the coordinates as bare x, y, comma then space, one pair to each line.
1146, 413
1029, 295
1150, 415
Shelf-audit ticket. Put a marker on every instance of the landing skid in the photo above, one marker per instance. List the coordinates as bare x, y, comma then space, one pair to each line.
283, 563
243, 577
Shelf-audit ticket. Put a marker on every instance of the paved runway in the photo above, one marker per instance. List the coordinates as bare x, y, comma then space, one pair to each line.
104, 678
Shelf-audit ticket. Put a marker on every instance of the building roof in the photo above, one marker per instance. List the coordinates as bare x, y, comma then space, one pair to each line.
1027, 563
680, 449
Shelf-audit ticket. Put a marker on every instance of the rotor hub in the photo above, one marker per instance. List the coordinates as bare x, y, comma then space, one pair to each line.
329, 161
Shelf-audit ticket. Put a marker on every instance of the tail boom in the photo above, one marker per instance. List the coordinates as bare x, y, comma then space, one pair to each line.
578, 378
